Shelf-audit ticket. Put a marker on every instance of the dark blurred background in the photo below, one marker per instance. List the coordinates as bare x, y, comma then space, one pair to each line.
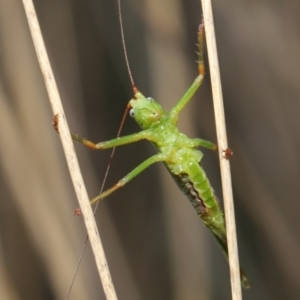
155, 244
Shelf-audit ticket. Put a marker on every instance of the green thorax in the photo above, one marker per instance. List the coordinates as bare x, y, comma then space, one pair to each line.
181, 159
162, 127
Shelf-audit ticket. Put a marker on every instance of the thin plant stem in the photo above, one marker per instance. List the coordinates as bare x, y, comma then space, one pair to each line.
222, 142
69, 151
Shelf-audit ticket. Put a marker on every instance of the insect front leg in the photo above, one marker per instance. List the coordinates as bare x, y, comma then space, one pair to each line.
140, 168
145, 134
197, 82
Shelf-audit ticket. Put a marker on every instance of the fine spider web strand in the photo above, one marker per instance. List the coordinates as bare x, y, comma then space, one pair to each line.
113, 150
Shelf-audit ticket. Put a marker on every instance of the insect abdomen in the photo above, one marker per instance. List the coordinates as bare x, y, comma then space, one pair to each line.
196, 186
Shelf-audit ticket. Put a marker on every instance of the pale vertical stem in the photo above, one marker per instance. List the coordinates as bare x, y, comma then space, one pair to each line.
67, 143
222, 143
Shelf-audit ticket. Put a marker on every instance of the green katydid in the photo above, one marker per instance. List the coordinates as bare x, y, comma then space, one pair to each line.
177, 151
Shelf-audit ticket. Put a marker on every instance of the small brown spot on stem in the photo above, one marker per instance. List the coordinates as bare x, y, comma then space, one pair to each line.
227, 153
77, 212
55, 122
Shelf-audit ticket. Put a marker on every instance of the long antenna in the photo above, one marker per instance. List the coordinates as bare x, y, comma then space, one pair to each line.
124, 47
96, 206
112, 152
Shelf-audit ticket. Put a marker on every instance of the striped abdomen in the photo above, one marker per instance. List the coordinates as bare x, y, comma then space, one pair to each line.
196, 186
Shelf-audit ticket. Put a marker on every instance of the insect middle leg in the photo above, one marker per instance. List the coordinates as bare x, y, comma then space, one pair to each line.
140, 168
205, 144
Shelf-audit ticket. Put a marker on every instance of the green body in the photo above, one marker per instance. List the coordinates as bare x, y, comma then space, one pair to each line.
181, 159
177, 151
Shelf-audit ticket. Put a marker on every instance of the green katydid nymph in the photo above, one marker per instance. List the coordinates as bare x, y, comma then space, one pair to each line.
177, 151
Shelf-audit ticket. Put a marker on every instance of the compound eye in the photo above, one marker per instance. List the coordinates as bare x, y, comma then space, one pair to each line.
131, 113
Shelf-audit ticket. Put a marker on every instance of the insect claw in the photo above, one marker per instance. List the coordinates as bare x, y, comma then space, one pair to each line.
227, 153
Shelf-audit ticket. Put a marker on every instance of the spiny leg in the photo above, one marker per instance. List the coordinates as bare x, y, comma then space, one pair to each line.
197, 82
84, 141
140, 168
145, 134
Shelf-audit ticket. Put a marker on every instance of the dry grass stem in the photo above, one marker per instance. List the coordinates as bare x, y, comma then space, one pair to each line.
222, 143
69, 151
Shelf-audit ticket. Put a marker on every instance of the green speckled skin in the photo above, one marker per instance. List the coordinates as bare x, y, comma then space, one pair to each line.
177, 151
181, 159
179, 154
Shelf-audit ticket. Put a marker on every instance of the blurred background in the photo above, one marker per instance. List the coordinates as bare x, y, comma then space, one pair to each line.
155, 244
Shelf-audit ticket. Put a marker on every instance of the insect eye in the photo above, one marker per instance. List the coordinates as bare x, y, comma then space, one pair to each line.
131, 113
